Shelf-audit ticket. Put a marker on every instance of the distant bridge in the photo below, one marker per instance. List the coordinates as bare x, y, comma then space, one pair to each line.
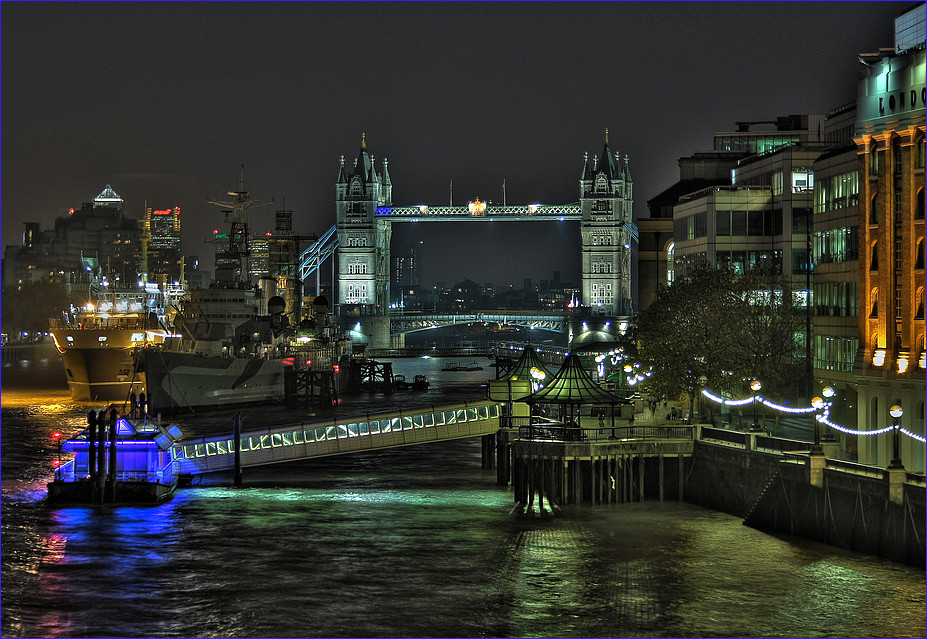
409, 323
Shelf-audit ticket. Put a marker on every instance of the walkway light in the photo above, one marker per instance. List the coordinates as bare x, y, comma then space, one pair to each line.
896, 411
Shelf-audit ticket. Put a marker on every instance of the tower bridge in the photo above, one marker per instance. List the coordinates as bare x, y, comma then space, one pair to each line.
363, 229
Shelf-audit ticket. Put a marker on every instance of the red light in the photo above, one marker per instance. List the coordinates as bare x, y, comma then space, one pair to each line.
56, 463
268, 234
215, 231
308, 362
56, 435
337, 368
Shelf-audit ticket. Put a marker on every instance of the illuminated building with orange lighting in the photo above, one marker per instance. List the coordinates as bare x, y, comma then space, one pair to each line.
161, 253
890, 145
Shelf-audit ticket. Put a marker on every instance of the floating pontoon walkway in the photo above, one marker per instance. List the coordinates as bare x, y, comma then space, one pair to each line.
293, 442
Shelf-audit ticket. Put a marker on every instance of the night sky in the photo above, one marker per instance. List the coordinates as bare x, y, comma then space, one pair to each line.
165, 102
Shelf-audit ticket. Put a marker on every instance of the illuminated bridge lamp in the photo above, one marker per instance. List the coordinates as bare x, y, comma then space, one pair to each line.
896, 411
878, 358
902, 364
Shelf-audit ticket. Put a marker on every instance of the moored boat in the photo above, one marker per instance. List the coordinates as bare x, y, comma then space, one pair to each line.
97, 342
117, 460
234, 341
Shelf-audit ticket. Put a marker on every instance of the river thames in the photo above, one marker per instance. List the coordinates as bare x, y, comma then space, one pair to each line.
412, 542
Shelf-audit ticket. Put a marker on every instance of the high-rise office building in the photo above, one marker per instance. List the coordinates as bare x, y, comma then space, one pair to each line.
162, 258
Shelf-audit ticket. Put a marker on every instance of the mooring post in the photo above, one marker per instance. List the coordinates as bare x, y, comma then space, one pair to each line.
101, 454
92, 453
236, 426
113, 416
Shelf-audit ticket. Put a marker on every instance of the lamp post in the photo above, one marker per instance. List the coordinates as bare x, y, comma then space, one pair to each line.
755, 387
828, 392
703, 382
896, 411
818, 402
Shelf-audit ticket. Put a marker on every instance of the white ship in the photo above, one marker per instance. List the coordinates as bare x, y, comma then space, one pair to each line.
97, 342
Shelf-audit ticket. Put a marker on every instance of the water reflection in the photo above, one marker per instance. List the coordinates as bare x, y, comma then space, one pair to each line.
415, 541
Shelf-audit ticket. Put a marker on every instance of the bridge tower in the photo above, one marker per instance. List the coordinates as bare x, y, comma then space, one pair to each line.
363, 254
605, 200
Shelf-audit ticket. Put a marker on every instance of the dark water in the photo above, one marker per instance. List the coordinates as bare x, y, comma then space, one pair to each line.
411, 542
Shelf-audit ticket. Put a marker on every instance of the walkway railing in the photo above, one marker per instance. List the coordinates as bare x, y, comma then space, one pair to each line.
71, 472
559, 432
373, 431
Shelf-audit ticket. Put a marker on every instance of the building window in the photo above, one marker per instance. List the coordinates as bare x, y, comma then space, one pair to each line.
919, 255
873, 158
874, 312
670, 263
802, 181
874, 209
919, 152
919, 205
874, 257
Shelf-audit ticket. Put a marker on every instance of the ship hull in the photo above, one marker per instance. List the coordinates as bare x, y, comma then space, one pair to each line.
178, 381
98, 369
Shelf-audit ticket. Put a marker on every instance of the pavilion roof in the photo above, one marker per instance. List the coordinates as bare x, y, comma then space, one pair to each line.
573, 385
522, 368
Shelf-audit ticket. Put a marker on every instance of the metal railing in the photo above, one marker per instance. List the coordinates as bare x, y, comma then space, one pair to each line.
167, 475
562, 433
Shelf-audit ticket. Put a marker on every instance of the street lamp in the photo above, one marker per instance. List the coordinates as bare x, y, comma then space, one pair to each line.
828, 392
818, 403
755, 386
703, 382
896, 411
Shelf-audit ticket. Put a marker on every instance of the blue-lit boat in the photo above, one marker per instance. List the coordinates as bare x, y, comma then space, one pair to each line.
131, 463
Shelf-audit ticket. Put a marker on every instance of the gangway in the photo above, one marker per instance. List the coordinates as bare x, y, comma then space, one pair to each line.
294, 442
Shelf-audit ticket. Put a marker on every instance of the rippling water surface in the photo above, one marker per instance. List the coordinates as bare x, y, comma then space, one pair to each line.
411, 542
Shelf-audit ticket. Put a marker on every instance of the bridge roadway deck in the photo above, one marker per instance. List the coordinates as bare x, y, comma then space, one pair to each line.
291, 442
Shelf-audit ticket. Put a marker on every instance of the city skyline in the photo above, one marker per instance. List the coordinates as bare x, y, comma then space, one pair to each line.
166, 102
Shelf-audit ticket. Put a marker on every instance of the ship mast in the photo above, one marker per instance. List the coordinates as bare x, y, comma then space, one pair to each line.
233, 263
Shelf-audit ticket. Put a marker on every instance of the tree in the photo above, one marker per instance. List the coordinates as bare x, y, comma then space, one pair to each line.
27, 308
725, 328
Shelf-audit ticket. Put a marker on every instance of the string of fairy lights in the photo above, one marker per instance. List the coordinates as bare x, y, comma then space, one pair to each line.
823, 416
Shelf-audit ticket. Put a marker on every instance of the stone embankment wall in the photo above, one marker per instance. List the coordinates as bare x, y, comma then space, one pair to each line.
848, 510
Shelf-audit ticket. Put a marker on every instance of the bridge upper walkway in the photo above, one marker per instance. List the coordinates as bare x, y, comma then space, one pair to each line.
293, 442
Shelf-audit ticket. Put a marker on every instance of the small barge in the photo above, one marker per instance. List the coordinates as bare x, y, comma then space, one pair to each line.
455, 366
116, 460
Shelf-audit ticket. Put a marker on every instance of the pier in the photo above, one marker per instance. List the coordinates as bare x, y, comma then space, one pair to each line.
372, 431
